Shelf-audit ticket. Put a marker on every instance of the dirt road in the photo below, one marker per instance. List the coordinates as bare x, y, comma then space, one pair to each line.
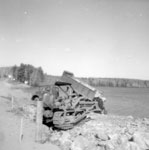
10, 123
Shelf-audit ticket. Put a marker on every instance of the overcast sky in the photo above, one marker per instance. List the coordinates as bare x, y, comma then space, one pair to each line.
91, 38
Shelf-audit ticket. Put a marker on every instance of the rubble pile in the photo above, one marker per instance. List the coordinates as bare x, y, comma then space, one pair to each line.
103, 132
99, 132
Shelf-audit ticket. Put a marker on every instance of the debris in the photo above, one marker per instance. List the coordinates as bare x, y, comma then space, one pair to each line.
104, 133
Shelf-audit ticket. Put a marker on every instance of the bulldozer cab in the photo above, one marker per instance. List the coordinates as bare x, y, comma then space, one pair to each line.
65, 89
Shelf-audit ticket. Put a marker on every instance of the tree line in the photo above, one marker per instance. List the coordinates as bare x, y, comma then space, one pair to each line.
24, 73
116, 82
28, 73
35, 77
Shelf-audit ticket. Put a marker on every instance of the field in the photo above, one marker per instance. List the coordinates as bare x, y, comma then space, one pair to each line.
127, 101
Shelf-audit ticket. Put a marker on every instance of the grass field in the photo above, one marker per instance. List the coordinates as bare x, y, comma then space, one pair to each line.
127, 101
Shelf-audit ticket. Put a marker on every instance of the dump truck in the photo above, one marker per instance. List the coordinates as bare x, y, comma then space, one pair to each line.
68, 101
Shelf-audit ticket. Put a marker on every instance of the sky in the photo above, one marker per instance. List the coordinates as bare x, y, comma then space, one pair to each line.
91, 38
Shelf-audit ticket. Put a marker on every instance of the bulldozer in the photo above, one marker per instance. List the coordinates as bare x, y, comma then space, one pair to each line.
68, 101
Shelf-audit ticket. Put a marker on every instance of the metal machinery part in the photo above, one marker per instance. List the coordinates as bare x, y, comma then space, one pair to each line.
67, 102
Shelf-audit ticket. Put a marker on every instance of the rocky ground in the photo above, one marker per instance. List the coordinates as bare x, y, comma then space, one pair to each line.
98, 132
103, 132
